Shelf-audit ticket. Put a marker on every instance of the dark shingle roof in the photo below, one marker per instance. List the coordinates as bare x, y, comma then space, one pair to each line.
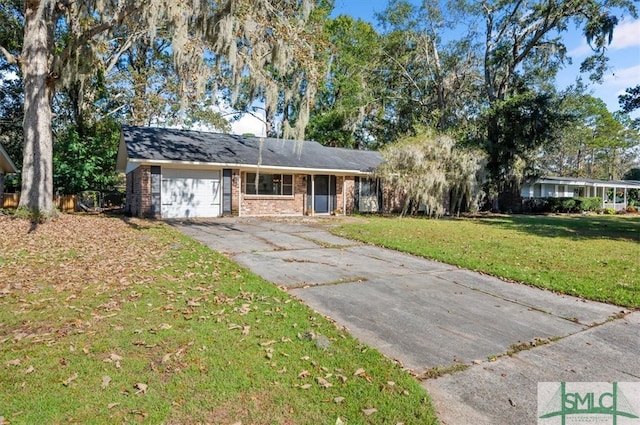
161, 144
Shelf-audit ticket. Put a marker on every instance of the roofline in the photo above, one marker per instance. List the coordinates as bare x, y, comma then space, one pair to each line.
250, 167
582, 182
12, 166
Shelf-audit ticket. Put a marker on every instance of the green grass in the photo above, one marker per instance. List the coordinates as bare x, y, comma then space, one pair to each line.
595, 257
211, 342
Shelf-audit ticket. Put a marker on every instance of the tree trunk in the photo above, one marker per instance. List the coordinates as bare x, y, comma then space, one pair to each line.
37, 166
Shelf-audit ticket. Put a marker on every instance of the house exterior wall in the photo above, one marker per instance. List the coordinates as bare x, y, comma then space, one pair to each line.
139, 192
257, 205
139, 196
349, 192
235, 191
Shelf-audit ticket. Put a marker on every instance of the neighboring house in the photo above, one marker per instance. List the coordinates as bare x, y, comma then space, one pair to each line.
6, 167
187, 174
614, 193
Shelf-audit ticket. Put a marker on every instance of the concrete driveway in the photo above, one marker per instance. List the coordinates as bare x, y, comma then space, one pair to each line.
427, 314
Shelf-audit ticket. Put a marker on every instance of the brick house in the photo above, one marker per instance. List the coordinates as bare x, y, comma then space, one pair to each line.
187, 174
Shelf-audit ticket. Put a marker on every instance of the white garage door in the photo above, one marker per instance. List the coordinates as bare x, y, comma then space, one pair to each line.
190, 193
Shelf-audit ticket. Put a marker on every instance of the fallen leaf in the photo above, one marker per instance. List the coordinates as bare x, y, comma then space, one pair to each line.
303, 374
305, 386
112, 405
245, 330
339, 421
142, 388
166, 358
70, 379
165, 326
369, 412
30, 369
338, 399
105, 382
138, 412
15, 362
267, 343
324, 383
359, 372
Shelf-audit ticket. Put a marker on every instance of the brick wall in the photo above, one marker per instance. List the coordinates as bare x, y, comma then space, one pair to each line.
139, 191
235, 191
255, 205
349, 186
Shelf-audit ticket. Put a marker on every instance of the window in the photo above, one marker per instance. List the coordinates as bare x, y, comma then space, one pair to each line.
269, 184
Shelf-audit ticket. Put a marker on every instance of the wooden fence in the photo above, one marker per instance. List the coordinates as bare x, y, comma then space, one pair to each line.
64, 203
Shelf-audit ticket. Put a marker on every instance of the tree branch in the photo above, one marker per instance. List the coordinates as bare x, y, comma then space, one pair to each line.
12, 59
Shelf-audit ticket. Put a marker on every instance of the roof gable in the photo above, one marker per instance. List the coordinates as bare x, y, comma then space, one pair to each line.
6, 165
185, 146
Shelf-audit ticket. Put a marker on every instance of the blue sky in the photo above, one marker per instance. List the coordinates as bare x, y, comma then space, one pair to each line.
624, 51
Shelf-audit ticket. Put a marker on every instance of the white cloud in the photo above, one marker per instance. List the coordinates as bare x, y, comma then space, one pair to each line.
626, 35
248, 124
623, 78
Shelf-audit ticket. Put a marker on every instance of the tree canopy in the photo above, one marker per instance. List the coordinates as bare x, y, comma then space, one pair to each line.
482, 72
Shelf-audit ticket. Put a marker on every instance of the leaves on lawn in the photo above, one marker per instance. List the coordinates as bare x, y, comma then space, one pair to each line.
70, 379
106, 380
141, 388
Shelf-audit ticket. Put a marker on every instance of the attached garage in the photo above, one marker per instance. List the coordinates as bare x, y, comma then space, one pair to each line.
189, 193
184, 174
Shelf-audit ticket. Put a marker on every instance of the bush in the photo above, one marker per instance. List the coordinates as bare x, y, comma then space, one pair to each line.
609, 211
535, 205
561, 205
588, 204
632, 209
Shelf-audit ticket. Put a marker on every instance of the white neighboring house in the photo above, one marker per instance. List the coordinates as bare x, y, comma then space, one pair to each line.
6, 167
614, 193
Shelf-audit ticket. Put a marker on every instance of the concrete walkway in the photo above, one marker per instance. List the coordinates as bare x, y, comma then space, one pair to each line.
427, 314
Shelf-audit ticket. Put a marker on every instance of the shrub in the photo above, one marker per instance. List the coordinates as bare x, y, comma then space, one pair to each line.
632, 209
588, 204
609, 211
535, 205
568, 205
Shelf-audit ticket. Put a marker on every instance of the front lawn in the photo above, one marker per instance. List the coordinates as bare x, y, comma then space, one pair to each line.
595, 257
104, 320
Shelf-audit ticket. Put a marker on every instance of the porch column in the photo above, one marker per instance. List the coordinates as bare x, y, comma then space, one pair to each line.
625, 198
313, 195
240, 194
344, 195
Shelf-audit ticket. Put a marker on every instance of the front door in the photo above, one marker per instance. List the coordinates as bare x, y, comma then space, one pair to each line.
323, 190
